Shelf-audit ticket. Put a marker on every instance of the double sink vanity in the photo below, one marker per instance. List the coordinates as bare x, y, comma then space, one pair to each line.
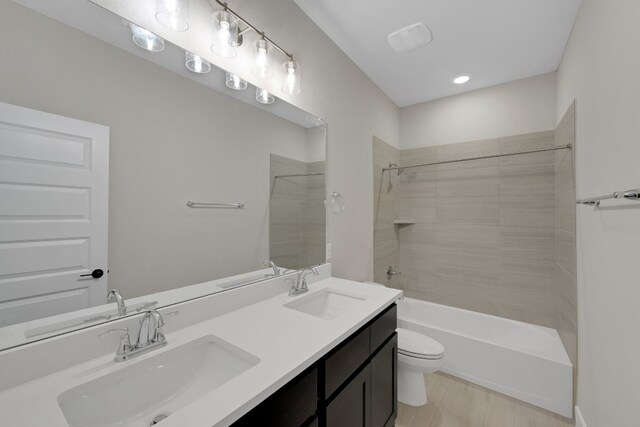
250, 353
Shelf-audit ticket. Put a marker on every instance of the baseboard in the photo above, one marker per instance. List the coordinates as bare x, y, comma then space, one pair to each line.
579, 419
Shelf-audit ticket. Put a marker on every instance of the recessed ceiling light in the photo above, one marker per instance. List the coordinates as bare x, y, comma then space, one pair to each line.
409, 38
461, 79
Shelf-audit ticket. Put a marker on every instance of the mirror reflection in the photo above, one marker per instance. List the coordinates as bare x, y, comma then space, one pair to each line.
102, 144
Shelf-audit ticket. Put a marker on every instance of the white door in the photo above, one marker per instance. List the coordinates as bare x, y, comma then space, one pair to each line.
54, 179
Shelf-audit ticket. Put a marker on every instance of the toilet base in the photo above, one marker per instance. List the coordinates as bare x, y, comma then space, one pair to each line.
412, 390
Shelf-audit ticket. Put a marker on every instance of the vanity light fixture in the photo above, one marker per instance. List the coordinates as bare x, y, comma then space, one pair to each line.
229, 31
291, 83
264, 97
225, 34
234, 82
196, 63
173, 14
261, 68
461, 79
145, 39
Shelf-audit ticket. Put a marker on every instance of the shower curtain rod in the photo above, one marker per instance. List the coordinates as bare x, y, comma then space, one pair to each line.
401, 169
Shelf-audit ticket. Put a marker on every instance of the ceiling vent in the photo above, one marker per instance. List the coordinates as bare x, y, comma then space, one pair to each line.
409, 38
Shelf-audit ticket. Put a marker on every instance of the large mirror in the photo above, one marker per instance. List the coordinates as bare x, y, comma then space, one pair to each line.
122, 169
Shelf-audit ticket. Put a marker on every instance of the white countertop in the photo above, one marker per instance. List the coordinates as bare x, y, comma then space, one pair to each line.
286, 341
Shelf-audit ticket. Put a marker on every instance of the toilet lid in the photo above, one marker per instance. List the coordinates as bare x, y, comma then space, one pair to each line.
414, 344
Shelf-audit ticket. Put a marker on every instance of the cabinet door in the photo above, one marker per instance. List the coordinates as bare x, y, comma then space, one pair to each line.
351, 406
291, 406
384, 384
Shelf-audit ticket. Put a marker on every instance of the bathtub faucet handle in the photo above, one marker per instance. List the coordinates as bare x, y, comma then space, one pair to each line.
391, 272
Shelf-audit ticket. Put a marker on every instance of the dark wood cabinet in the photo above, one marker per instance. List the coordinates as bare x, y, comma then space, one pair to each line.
384, 379
351, 407
354, 385
291, 406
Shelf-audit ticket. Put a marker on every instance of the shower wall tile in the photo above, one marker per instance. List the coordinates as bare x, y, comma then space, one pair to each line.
296, 214
418, 156
531, 211
527, 238
490, 235
484, 238
529, 141
565, 237
478, 239
468, 210
527, 179
477, 182
422, 210
386, 188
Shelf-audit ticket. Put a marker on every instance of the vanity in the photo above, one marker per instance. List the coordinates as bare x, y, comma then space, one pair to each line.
326, 357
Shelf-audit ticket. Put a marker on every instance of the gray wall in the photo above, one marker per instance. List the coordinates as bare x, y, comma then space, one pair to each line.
599, 71
171, 140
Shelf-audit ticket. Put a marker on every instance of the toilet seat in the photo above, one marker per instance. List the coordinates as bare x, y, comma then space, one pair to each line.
415, 345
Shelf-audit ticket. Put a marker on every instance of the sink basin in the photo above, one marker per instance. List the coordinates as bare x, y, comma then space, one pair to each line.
326, 304
158, 386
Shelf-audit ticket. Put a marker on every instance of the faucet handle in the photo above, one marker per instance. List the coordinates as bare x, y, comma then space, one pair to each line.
124, 347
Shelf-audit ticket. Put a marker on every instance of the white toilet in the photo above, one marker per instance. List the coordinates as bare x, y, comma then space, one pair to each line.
418, 354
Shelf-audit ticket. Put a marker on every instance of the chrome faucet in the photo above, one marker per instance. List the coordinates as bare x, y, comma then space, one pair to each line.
150, 331
300, 285
276, 270
114, 296
150, 336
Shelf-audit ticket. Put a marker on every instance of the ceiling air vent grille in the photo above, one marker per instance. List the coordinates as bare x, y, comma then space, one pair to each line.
409, 38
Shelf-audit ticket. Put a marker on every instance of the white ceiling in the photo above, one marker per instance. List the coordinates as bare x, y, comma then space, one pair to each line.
496, 41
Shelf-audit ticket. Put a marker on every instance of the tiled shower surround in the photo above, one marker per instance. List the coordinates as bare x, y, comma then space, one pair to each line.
296, 213
493, 235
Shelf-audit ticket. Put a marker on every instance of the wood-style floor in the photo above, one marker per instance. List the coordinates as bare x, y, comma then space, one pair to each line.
457, 403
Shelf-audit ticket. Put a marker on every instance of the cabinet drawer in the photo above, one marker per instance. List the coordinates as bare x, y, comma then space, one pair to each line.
291, 406
383, 327
345, 361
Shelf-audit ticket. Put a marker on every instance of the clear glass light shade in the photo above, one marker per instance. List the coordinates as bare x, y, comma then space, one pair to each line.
234, 82
261, 68
225, 34
146, 39
173, 14
196, 63
264, 97
291, 83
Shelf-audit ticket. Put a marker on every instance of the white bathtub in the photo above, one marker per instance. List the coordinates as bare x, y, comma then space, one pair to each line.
521, 360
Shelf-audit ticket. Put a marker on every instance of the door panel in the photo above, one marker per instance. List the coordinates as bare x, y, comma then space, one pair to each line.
54, 175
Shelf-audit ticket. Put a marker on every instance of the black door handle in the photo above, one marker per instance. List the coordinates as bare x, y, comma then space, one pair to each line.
96, 274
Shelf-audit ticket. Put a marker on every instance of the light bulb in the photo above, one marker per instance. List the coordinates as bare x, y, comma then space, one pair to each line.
146, 39
196, 63
264, 97
173, 14
234, 82
291, 84
261, 68
225, 34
